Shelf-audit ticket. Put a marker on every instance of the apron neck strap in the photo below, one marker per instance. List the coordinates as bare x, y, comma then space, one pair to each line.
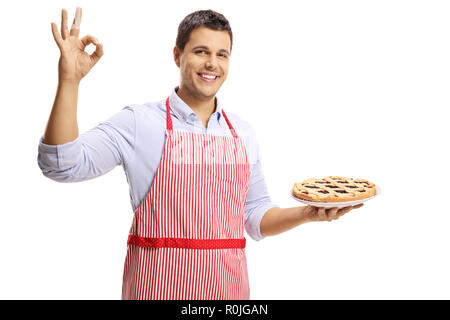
170, 125
168, 117
229, 125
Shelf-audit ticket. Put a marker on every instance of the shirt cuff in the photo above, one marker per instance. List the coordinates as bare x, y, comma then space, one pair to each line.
61, 156
253, 223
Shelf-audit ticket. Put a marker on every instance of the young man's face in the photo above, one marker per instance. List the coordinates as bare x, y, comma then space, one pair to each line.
206, 54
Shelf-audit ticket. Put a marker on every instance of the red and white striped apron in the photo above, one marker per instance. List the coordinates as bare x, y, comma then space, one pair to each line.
187, 237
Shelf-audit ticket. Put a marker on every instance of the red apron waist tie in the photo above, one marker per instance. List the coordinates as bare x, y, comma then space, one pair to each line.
186, 243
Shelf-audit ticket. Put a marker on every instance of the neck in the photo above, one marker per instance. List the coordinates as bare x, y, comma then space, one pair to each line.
204, 108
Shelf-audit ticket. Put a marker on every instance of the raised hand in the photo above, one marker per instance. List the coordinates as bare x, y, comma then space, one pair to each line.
74, 62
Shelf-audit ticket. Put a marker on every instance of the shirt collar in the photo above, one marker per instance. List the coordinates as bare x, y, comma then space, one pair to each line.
182, 111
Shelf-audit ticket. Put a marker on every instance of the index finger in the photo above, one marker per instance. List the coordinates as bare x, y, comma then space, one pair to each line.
75, 29
56, 34
347, 209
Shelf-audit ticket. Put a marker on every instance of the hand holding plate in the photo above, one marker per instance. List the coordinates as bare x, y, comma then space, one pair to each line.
328, 214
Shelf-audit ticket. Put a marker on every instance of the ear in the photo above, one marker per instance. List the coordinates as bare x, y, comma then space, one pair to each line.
176, 56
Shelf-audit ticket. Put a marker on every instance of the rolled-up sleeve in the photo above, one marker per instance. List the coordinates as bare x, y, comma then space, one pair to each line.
92, 153
257, 204
258, 199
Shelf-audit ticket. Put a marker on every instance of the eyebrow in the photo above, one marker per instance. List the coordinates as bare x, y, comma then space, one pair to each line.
205, 47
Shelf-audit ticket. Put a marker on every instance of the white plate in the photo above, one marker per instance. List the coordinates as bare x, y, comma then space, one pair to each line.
337, 204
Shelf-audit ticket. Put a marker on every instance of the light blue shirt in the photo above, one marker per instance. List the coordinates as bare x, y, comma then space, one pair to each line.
134, 138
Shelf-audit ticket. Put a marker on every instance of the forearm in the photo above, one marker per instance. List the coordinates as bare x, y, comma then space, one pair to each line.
62, 124
279, 220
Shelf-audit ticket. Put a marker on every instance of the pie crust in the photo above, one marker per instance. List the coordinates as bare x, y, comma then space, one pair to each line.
333, 189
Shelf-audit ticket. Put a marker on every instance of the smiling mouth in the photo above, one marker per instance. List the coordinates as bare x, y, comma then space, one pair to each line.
207, 77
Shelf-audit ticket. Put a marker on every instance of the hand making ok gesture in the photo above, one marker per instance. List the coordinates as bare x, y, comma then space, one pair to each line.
74, 62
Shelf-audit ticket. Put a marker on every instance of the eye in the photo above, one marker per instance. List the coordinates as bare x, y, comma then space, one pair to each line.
200, 51
223, 55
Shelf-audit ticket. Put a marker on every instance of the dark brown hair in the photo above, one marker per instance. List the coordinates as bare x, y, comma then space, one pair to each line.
206, 18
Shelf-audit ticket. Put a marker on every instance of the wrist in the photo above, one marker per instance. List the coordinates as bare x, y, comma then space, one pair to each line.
70, 82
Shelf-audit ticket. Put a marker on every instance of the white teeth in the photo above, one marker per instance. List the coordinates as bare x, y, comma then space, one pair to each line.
207, 76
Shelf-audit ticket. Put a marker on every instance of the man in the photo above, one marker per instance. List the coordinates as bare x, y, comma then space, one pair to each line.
193, 169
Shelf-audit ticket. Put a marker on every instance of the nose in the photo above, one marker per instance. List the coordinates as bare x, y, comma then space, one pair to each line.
211, 62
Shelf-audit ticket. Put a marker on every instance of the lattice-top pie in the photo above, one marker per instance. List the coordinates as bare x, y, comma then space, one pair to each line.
333, 189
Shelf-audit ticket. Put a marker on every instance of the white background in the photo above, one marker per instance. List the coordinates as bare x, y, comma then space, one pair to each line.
351, 88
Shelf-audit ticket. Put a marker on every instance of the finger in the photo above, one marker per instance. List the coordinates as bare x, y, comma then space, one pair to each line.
64, 29
322, 214
343, 211
332, 213
97, 54
75, 29
88, 39
56, 34
347, 209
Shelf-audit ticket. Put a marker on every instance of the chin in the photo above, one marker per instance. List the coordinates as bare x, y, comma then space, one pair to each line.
207, 93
